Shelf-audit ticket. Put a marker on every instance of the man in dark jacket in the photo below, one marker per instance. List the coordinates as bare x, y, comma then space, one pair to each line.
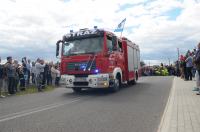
45, 77
1, 79
10, 72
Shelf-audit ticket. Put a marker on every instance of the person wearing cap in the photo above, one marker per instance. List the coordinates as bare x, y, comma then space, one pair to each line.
10, 72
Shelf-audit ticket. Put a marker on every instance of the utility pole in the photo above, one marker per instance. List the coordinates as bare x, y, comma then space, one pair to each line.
178, 53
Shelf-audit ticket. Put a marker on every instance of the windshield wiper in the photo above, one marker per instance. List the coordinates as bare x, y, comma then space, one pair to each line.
90, 52
92, 63
82, 53
72, 54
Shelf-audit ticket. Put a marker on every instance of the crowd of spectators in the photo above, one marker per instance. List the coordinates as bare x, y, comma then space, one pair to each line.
15, 76
159, 70
184, 67
187, 67
190, 67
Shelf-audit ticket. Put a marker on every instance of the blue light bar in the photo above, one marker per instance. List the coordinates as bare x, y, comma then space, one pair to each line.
96, 71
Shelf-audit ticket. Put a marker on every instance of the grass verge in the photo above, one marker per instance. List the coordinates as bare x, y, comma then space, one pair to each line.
32, 90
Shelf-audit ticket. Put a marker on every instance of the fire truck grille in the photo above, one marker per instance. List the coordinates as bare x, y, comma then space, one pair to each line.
80, 66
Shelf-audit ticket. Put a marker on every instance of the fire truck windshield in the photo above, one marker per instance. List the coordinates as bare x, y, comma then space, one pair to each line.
83, 46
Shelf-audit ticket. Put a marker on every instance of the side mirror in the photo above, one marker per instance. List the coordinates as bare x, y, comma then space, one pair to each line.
114, 42
58, 47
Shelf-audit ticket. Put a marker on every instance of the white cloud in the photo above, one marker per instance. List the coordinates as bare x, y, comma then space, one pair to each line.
29, 27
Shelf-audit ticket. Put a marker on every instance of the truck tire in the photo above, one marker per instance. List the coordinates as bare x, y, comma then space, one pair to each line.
116, 86
77, 90
133, 82
136, 79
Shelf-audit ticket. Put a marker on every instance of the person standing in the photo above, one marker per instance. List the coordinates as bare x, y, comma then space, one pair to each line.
183, 67
197, 64
10, 72
16, 65
1, 79
25, 71
21, 79
53, 75
28, 66
39, 73
44, 81
33, 72
57, 76
189, 66
49, 78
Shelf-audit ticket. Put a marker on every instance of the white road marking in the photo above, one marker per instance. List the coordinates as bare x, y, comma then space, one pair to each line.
36, 110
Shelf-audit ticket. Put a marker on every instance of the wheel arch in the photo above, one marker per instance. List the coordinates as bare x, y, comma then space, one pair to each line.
117, 71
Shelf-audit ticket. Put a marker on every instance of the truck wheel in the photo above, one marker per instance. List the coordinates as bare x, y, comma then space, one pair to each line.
77, 90
116, 86
132, 82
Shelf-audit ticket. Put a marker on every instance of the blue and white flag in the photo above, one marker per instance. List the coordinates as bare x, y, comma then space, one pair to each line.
120, 27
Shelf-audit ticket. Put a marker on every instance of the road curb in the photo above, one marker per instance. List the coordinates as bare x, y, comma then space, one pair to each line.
160, 127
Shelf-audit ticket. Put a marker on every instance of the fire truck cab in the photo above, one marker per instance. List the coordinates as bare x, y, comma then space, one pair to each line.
97, 59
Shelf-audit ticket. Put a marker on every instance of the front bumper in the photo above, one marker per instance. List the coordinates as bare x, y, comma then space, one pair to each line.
92, 81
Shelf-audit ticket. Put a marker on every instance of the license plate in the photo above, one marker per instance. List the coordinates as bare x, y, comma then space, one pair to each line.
80, 79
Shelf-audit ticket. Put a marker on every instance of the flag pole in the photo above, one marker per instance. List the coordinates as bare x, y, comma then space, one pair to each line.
121, 34
122, 30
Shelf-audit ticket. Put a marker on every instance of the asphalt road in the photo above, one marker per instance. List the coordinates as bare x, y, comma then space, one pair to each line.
137, 108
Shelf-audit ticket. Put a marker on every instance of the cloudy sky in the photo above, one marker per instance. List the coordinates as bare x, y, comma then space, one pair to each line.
32, 27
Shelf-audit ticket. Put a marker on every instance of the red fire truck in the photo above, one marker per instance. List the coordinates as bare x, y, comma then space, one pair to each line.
97, 59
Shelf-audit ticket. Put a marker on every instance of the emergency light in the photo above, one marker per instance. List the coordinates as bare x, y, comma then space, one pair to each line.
96, 71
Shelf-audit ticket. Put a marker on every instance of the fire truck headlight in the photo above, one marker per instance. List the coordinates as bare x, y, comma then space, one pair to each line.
105, 84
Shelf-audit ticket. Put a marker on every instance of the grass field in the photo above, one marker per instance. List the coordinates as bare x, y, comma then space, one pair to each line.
32, 89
